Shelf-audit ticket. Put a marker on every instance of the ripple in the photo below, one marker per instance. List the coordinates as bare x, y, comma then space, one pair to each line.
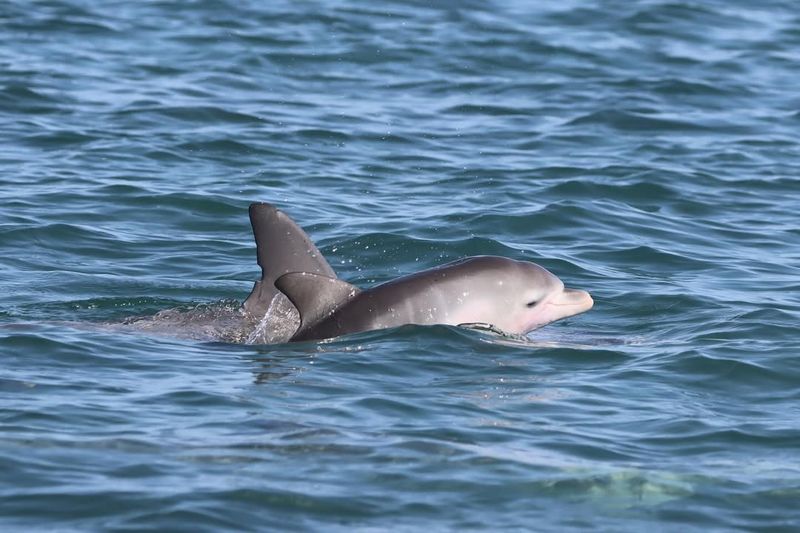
193, 114
629, 121
64, 139
492, 110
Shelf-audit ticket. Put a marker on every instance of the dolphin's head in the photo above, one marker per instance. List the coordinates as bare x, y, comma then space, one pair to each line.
541, 298
519, 296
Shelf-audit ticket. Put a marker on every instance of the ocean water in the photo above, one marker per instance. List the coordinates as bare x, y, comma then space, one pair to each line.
647, 152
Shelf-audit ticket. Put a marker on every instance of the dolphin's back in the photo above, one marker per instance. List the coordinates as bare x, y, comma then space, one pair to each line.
422, 298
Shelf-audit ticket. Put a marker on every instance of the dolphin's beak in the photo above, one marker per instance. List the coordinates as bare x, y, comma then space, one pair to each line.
567, 303
577, 300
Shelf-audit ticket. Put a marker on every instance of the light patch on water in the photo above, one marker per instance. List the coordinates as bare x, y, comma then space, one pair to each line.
611, 487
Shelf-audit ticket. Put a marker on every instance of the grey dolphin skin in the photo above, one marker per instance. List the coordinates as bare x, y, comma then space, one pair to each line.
281, 247
512, 296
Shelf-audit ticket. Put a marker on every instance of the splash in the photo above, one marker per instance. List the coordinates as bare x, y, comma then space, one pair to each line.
278, 324
220, 322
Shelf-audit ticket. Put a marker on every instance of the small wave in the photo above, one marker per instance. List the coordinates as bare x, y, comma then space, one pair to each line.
66, 139
630, 121
192, 114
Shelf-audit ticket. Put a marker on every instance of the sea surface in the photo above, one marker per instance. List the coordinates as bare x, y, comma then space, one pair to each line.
645, 151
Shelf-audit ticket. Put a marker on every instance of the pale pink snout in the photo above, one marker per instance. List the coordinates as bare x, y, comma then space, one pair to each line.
564, 304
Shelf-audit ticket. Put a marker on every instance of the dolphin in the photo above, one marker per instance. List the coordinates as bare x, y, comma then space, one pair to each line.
511, 296
281, 247
498, 293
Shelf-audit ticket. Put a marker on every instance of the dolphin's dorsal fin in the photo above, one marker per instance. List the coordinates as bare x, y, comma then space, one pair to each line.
281, 247
316, 297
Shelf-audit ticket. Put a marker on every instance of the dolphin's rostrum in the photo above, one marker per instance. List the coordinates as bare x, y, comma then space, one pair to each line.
512, 296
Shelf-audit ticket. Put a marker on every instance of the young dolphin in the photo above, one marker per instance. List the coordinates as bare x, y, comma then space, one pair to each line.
512, 296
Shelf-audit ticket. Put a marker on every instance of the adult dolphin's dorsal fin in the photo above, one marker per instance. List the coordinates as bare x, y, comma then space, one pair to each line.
315, 296
281, 247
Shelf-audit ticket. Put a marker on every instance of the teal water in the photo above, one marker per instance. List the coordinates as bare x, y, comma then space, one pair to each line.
647, 152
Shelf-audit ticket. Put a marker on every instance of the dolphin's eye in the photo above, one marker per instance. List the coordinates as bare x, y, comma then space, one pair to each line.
531, 304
